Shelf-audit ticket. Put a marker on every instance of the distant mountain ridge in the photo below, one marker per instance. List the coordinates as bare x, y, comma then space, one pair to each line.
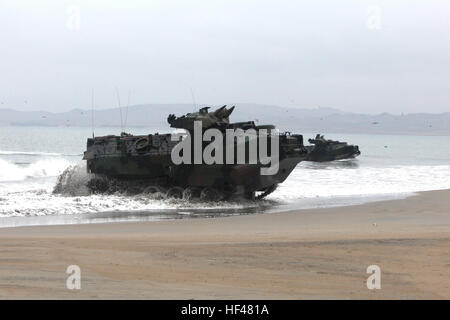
323, 120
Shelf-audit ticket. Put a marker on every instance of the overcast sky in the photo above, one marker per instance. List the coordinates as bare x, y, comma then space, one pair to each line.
358, 56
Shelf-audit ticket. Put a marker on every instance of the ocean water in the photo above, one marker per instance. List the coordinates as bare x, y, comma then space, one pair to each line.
31, 159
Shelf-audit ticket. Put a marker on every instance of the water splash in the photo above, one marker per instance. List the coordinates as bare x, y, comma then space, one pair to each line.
42, 168
74, 181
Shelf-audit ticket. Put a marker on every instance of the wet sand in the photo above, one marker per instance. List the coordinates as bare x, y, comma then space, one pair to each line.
306, 254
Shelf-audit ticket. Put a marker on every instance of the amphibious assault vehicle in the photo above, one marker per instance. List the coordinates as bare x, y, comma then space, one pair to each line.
323, 150
147, 160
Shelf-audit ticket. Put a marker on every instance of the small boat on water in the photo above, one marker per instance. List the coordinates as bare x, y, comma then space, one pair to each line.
322, 150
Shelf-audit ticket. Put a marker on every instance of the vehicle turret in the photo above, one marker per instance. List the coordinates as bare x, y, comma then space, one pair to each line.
217, 119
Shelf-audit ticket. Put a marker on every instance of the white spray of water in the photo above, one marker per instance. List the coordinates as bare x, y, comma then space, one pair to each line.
43, 168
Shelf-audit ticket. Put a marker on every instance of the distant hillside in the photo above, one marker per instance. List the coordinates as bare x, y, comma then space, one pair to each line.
322, 120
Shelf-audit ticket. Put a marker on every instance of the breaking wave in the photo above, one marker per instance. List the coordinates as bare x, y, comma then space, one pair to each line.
42, 168
29, 153
349, 179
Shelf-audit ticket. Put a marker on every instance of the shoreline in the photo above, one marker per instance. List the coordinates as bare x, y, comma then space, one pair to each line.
181, 213
313, 253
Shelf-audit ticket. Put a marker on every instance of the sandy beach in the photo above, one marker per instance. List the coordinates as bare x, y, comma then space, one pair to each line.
306, 254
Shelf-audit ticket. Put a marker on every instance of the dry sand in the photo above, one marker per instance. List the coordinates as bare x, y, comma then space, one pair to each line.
317, 254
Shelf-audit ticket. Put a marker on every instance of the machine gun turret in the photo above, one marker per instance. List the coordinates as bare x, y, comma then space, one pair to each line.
217, 119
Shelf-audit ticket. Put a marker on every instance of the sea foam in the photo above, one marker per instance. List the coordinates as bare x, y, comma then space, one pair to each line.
51, 167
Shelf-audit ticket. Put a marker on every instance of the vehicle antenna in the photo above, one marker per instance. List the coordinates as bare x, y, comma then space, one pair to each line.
92, 113
126, 113
193, 98
120, 109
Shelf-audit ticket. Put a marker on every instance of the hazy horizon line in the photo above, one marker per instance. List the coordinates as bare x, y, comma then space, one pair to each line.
197, 106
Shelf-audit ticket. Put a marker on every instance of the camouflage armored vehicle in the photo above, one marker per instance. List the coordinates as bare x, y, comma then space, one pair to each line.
146, 160
323, 150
